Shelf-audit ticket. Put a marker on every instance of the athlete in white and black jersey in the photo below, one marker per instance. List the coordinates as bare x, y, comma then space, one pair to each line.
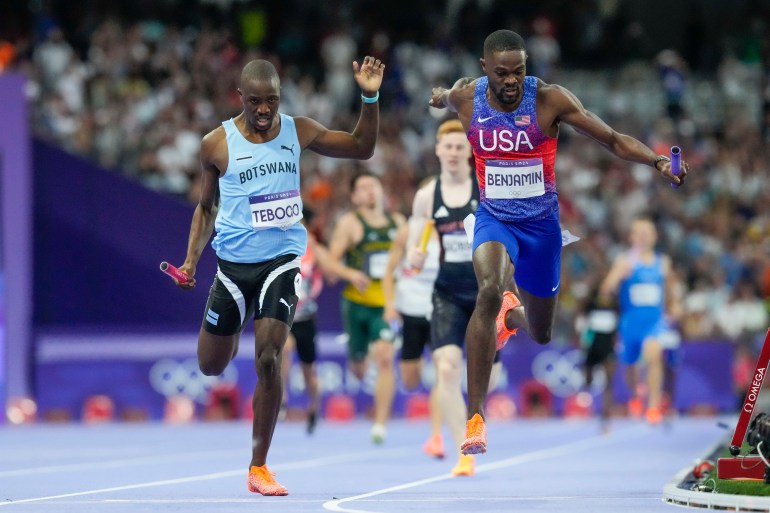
447, 201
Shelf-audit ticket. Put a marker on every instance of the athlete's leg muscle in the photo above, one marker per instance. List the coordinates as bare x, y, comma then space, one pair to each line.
493, 272
385, 386
410, 373
449, 364
215, 352
270, 336
540, 315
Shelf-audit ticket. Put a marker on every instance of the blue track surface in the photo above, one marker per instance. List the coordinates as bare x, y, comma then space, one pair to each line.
532, 465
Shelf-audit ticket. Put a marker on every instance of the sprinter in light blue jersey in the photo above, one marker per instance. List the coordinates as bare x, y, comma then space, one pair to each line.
643, 281
251, 166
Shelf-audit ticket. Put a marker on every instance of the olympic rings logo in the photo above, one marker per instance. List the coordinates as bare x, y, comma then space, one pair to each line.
171, 377
563, 373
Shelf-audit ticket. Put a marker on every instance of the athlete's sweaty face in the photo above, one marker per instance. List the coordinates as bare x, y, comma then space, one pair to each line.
506, 72
260, 99
454, 152
643, 235
367, 192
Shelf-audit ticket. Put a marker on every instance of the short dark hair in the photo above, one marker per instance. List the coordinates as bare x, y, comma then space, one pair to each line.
361, 174
503, 41
260, 70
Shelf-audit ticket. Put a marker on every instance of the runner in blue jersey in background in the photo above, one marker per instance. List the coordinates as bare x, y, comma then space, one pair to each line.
643, 281
512, 122
250, 193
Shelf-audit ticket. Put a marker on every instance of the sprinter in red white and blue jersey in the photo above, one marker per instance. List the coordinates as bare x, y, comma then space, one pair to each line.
512, 122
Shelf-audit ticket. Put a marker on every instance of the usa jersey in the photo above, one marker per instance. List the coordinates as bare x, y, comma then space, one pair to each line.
514, 158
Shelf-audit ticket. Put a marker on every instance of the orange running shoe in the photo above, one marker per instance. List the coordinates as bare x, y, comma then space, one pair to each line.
466, 466
475, 436
654, 416
435, 446
510, 301
635, 408
261, 481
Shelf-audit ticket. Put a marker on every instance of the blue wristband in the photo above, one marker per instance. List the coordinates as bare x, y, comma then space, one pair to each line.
373, 99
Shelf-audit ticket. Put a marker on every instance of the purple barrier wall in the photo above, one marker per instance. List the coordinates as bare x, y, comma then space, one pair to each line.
99, 239
141, 372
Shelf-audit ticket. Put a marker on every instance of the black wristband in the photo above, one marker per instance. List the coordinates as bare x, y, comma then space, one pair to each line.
660, 158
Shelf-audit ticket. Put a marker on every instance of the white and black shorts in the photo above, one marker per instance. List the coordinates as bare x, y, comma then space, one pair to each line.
242, 292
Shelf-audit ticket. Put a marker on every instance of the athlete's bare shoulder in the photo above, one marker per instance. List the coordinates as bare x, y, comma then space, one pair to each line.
555, 96
214, 149
553, 102
398, 218
427, 186
214, 137
423, 199
307, 130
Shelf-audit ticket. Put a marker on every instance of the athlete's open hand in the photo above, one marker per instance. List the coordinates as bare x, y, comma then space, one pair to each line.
358, 279
369, 75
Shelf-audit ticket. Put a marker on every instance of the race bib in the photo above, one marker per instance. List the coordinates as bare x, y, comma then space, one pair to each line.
645, 294
514, 179
278, 210
457, 249
602, 321
376, 264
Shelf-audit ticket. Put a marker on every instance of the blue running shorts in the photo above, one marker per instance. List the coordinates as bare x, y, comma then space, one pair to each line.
533, 246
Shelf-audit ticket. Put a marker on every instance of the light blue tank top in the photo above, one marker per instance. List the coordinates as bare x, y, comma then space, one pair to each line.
260, 204
641, 295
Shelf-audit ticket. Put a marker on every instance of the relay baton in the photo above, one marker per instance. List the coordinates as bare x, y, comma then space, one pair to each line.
426, 231
174, 272
676, 162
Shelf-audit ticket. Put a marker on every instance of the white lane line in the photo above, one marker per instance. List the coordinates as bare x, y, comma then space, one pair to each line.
124, 462
315, 462
290, 499
559, 450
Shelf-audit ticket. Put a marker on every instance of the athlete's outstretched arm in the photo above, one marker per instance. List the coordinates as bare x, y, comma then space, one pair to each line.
620, 269
358, 144
422, 207
395, 254
571, 111
456, 98
206, 211
341, 241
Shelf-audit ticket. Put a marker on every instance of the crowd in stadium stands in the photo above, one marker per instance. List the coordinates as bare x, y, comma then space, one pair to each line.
139, 96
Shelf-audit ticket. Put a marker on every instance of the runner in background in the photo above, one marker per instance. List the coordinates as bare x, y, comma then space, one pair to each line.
302, 336
363, 236
408, 308
597, 325
643, 282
